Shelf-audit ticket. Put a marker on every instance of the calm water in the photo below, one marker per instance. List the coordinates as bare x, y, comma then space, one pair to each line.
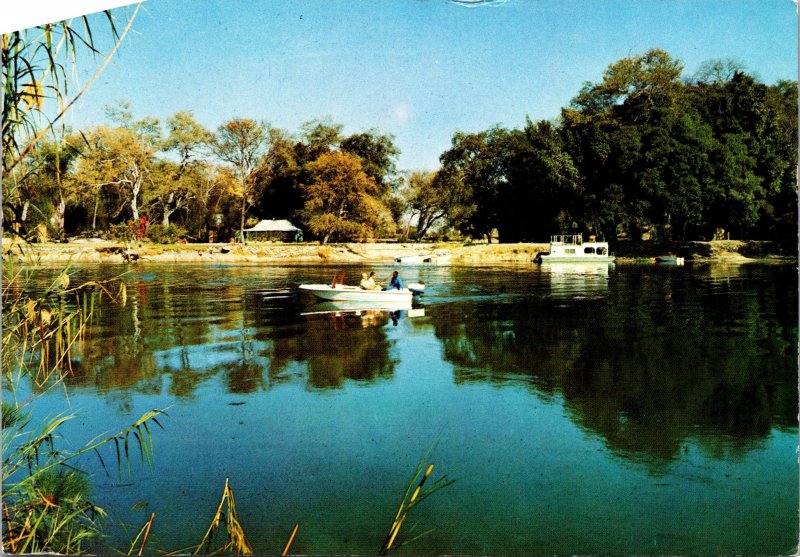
636, 409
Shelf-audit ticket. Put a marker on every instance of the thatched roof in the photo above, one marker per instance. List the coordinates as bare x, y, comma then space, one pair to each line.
273, 226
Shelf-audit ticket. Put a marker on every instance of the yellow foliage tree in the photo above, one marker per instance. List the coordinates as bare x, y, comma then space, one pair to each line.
342, 201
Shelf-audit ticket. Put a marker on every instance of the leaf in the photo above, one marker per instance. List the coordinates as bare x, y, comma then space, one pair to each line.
33, 95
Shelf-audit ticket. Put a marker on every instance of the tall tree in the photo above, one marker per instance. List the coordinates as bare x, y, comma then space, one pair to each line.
476, 161
186, 137
435, 199
241, 142
120, 159
377, 152
280, 175
542, 187
342, 201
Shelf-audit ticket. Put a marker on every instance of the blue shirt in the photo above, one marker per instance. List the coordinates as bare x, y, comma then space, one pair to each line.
396, 283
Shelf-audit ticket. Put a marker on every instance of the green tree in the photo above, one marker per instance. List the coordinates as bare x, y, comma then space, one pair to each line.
435, 199
241, 142
476, 164
610, 129
377, 153
542, 185
280, 175
186, 137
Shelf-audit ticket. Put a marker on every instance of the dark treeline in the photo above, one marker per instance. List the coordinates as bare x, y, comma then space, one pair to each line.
645, 151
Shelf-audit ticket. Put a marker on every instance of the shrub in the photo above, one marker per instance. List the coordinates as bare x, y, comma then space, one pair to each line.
161, 234
122, 232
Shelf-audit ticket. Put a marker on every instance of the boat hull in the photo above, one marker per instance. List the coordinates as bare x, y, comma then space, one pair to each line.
669, 260
345, 293
575, 258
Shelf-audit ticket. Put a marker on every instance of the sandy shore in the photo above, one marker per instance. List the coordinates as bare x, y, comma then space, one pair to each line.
112, 252
98, 251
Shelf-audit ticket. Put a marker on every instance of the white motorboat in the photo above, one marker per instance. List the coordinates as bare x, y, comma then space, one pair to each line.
439, 256
347, 293
570, 248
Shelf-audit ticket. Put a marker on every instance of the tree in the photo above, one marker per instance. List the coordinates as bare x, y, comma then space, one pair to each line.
435, 198
120, 159
173, 185
54, 180
170, 190
280, 175
186, 137
342, 201
542, 187
606, 129
377, 153
241, 143
213, 186
476, 163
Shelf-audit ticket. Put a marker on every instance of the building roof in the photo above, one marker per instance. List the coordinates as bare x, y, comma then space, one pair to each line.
273, 226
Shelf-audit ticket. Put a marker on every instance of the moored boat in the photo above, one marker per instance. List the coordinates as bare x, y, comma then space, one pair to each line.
569, 248
437, 257
670, 260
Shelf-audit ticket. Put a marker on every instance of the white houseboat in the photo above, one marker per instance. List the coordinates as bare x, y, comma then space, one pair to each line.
568, 248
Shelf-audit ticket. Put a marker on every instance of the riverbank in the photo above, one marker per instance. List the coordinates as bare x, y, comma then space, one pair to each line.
100, 251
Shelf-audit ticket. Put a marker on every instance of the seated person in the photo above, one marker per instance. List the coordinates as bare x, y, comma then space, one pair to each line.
368, 282
395, 282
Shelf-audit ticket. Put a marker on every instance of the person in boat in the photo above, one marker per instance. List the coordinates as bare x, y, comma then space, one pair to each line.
368, 282
364, 284
395, 282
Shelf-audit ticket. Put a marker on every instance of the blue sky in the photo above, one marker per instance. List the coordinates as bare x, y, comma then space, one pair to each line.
417, 69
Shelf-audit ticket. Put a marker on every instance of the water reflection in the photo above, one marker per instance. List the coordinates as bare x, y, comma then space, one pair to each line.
644, 358
660, 359
577, 280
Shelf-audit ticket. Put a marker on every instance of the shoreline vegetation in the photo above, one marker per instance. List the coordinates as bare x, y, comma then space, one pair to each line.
103, 251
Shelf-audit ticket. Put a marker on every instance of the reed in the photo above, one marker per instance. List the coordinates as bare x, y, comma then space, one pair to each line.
143, 534
234, 540
46, 502
412, 497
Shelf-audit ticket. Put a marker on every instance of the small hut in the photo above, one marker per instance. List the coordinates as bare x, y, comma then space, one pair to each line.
274, 230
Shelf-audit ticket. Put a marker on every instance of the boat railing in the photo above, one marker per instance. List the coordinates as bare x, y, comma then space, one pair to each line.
570, 239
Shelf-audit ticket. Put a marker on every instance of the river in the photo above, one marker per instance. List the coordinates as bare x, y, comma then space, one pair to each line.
634, 409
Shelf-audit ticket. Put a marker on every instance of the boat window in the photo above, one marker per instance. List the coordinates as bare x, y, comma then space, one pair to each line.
601, 251
569, 250
588, 250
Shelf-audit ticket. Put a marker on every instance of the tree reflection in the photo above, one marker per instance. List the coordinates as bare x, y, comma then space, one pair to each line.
337, 347
660, 359
166, 340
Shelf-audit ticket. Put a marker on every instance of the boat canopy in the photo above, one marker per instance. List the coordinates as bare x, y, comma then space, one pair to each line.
571, 239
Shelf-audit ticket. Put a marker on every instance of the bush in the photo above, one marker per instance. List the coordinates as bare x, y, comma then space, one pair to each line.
161, 234
122, 232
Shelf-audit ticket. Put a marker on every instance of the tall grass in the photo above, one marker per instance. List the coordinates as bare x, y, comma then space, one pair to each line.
46, 496
415, 493
231, 539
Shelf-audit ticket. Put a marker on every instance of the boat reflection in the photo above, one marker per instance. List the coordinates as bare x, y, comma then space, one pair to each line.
577, 280
365, 314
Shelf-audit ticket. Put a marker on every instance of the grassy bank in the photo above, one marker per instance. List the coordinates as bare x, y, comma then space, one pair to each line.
98, 251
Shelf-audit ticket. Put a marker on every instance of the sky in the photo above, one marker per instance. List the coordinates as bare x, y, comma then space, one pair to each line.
416, 69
